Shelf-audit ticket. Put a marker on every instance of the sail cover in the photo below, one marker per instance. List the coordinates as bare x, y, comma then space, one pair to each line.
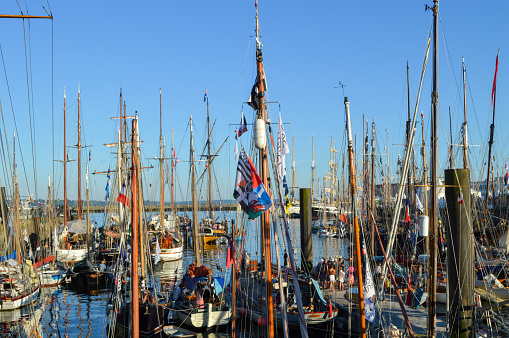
74, 227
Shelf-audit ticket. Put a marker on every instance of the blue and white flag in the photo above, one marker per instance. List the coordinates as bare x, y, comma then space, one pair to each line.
205, 96
108, 185
242, 126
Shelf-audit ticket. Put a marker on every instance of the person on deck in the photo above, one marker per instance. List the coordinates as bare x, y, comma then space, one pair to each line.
332, 277
341, 279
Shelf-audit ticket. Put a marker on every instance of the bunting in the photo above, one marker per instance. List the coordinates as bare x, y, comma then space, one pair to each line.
108, 185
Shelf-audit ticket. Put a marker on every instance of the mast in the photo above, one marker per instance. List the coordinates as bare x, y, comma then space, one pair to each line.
161, 163
260, 126
451, 158
134, 239
425, 180
88, 215
465, 129
16, 199
293, 168
492, 129
312, 169
196, 240
172, 165
372, 203
408, 123
65, 165
434, 202
80, 207
209, 161
353, 190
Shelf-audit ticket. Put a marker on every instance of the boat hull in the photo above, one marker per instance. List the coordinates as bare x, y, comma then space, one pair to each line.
209, 316
20, 301
72, 255
169, 255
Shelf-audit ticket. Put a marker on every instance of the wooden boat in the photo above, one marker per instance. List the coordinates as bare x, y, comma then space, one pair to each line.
171, 248
17, 288
175, 331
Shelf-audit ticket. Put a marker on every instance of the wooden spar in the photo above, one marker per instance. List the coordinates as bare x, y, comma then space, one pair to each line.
465, 129
372, 203
196, 241
264, 175
434, 202
393, 279
451, 158
142, 234
312, 168
492, 129
15, 194
234, 279
172, 165
161, 164
293, 168
409, 121
10, 16
353, 191
134, 236
88, 214
209, 162
65, 165
425, 180
80, 207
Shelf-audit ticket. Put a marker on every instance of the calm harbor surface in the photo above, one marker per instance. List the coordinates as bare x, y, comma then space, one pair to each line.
71, 312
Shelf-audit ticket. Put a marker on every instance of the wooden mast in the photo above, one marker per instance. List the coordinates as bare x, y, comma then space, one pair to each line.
293, 168
492, 129
65, 165
134, 238
88, 214
161, 164
425, 180
372, 203
80, 207
353, 190
434, 202
209, 162
196, 240
312, 169
172, 169
264, 174
465, 129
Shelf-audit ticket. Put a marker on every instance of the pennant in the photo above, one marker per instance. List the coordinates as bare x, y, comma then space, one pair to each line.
108, 185
230, 254
242, 126
218, 284
122, 196
282, 150
157, 257
342, 218
407, 216
494, 89
205, 96
460, 198
249, 189
89, 155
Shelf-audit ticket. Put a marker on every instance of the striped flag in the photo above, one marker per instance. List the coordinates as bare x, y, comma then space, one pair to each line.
122, 196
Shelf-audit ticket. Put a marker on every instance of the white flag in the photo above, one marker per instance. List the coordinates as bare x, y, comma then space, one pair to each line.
418, 203
10, 226
158, 252
55, 239
236, 151
282, 150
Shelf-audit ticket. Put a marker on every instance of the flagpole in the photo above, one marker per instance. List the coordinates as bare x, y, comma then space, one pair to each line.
492, 129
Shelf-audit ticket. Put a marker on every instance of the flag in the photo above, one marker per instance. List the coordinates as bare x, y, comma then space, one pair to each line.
55, 239
243, 125
494, 89
236, 151
249, 190
108, 185
122, 196
407, 216
10, 226
422, 114
89, 155
230, 254
205, 96
460, 198
342, 218
157, 257
282, 150
506, 176
418, 203
288, 205
174, 158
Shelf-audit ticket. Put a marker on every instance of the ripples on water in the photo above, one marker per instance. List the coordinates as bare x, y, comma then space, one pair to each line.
71, 312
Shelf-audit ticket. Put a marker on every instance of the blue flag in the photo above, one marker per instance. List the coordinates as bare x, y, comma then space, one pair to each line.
108, 185
205, 96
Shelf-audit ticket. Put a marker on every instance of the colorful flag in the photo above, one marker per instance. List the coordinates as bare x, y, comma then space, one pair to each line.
288, 205
407, 216
230, 254
460, 198
282, 150
157, 257
108, 185
122, 196
494, 89
89, 155
205, 96
506, 176
249, 189
243, 125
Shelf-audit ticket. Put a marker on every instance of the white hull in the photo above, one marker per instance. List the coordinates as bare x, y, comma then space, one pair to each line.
20, 301
50, 278
168, 255
74, 255
499, 292
210, 316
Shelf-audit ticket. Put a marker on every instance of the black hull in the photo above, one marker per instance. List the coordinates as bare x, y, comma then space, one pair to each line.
152, 319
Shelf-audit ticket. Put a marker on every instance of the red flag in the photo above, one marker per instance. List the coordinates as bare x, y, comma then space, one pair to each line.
460, 198
494, 83
230, 254
122, 196
342, 218
407, 216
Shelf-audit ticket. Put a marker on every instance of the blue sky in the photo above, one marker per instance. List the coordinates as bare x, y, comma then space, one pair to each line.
184, 47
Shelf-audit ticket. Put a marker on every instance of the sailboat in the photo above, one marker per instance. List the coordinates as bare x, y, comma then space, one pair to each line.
166, 244
209, 307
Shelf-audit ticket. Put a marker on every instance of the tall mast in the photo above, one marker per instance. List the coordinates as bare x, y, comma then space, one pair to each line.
293, 168
209, 161
465, 129
353, 190
135, 312
434, 159
119, 159
492, 129
408, 122
161, 162
172, 168
264, 174
312, 169
196, 240
80, 207
451, 158
88, 214
372, 203
425, 179
65, 165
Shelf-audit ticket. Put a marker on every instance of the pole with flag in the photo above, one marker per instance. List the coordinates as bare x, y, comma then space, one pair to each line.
492, 129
